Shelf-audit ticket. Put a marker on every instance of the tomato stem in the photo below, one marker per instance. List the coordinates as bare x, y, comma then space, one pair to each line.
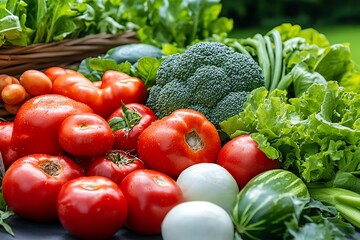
50, 167
121, 157
194, 141
128, 120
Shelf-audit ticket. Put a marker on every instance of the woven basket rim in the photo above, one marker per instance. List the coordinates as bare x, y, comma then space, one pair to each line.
15, 60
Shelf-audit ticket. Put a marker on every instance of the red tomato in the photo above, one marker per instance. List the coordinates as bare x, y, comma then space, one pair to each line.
115, 88
115, 165
37, 122
31, 185
92, 207
97, 84
150, 195
128, 122
244, 160
7, 153
54, 72
175, 142
86, 134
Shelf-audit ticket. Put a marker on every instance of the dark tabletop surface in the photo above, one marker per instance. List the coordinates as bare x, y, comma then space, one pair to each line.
26, 230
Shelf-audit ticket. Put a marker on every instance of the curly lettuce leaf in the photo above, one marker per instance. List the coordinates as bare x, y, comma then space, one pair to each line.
315, 135
351, 81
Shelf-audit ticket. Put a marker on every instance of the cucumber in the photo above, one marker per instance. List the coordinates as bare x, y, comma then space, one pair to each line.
266, 202
133, 52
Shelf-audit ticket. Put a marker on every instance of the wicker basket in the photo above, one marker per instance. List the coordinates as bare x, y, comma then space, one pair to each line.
14, 61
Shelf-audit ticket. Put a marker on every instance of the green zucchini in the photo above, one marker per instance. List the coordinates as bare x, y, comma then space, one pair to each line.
266, 202
133, 52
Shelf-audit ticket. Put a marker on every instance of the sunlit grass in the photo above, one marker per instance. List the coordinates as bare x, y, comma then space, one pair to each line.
335, 34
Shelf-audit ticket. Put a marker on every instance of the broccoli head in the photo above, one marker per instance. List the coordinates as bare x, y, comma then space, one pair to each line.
209, 77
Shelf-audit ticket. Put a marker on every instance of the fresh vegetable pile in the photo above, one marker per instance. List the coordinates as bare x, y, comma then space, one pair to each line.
316, 136
209, 77
293, 58
188, 134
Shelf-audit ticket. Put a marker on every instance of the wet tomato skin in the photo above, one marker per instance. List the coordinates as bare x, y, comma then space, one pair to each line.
150, 195
85, 135
116, 165
92, 207
244, 160
31, 185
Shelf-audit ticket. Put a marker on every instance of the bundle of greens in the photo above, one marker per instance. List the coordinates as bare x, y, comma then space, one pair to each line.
316, 136
177, 22
292, 59
26, 22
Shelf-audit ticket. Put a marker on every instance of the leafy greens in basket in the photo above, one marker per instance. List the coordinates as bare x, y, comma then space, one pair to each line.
178, 22
25, 22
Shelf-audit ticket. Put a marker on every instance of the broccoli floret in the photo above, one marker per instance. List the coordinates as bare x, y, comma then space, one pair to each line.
201, 93
229, 106
209, 77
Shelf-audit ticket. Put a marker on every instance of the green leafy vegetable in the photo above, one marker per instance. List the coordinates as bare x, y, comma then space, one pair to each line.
94, 68
289, 31
345, 201
318, 221
145, 68
54, 21
176, 22
319, 60
26, 22
10, 26
5, 213
157, 22
316, 136
292, 58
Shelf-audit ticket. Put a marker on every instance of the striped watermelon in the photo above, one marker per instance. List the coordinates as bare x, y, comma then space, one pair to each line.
266, 202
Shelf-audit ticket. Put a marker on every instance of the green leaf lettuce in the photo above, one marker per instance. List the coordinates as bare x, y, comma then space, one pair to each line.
315, 135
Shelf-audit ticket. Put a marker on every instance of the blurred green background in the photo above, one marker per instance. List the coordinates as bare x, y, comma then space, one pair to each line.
339, 20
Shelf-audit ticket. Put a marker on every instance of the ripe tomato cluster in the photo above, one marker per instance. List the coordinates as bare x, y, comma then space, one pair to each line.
97, 160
